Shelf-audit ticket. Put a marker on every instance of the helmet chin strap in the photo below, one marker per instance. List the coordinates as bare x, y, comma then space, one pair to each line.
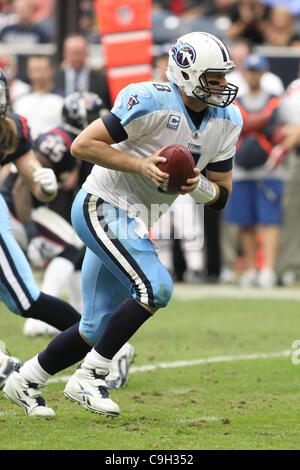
215, 97
206, 97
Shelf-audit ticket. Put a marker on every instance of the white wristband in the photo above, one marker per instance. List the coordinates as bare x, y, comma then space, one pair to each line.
205, 191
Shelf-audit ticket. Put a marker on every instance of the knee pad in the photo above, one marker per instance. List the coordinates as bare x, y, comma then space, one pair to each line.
163, 288
156, 288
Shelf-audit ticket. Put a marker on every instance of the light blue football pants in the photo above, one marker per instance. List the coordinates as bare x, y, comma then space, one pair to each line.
118, 263
18, 289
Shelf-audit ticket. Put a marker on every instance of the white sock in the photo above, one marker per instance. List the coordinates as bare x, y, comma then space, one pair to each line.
57, 274
94, 360
33, 372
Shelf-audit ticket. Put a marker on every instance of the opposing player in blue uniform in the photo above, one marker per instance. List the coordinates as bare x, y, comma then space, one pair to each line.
124, 282
18, 289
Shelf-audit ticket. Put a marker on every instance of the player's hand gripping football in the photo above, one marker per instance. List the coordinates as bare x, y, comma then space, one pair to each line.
191, 183
147, 167
46, 177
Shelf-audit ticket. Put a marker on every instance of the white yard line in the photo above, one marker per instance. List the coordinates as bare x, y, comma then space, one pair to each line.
200, 291
208, 360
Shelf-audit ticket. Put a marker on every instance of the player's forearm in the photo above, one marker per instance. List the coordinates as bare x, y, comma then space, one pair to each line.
102, 154
39, 180
23, 202
22, 199
41, 195
292, 139
36, 190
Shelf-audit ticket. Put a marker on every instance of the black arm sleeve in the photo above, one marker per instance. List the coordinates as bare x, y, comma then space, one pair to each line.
114, 127
222, 167
220, 203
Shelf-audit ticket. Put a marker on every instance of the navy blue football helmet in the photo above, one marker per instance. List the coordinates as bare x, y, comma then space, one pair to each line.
80, 109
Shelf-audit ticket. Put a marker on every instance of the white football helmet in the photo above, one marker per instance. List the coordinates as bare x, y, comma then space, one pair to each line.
191, 57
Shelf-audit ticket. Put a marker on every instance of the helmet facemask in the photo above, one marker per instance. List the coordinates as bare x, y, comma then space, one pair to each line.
215, 97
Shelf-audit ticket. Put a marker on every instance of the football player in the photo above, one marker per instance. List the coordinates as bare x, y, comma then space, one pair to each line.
123, 281
18, 289
47, 234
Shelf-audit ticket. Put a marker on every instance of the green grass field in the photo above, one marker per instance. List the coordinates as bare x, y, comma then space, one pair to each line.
237, 401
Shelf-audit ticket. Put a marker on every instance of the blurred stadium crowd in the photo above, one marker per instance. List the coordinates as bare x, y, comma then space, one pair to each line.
255, 241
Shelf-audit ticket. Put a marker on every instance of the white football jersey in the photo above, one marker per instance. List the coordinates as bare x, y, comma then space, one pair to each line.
154, 116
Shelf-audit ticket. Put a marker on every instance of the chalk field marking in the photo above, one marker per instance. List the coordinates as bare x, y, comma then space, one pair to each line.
194, 362
192, 292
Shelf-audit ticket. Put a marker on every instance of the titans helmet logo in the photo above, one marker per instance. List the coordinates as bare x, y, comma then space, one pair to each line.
183, 54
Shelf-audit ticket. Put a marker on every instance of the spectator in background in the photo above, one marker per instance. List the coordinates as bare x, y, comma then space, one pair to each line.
42, 107
23, 32
75, 73
295, 41
181, 8
87, 23
293, 6
17, 88
43, 16
270, 82
255, 202
224, 7
248, 20
288, 265
5, 5
42, 9
279, 28
171, 18
7, 15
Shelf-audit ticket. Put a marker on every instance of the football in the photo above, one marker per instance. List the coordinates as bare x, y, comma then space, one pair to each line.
180, 166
